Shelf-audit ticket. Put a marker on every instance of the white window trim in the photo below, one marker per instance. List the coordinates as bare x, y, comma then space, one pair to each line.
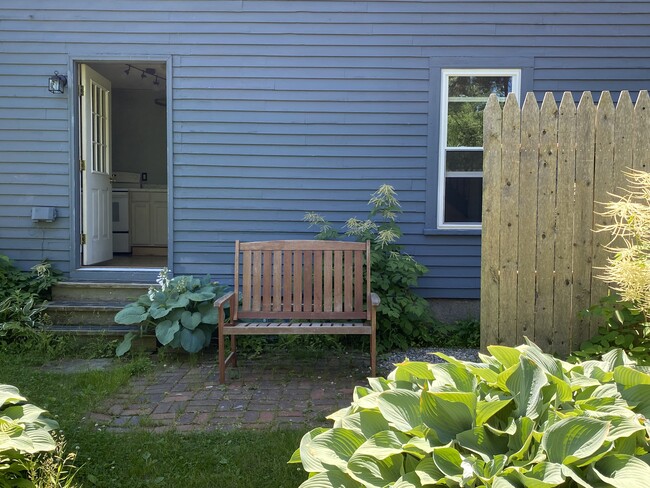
444, 103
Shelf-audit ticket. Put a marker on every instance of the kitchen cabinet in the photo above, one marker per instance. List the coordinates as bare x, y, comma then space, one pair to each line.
148, 217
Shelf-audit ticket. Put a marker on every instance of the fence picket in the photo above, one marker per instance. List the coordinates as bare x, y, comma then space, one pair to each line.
528, 173
564, 208
642, 128
583, 218
490, 226
509, 222
603, 178
546, 220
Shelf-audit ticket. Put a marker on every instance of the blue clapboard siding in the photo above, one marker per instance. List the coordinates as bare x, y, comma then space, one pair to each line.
282, 107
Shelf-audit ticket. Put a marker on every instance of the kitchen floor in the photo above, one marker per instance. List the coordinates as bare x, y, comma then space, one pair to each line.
134, 261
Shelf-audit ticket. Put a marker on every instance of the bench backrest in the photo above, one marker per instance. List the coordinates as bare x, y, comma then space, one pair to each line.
311, 280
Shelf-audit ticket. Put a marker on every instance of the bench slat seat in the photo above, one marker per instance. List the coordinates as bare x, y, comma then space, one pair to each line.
298, 287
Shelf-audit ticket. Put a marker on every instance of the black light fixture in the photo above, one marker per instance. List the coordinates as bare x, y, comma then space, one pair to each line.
56, 83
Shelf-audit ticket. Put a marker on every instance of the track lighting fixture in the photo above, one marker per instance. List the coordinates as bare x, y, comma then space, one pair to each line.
144, 72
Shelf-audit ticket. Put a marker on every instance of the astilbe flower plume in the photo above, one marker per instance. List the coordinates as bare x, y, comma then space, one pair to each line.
628, 267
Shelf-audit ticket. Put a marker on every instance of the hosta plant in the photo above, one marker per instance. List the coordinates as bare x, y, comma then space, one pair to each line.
518, 418
24, 434
179, 310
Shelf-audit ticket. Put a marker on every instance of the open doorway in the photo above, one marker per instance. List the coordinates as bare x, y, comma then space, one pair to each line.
123, 147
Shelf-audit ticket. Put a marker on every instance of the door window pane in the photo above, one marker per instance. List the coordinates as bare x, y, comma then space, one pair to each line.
464, 160
463, 199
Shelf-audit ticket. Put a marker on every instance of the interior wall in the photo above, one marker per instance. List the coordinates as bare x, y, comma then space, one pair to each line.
140, 135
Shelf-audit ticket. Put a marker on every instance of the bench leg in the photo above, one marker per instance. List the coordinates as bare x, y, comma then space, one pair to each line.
373, 355
233, 349
222, 355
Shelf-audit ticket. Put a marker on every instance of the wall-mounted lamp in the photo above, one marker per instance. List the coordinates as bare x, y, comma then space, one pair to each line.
57, 83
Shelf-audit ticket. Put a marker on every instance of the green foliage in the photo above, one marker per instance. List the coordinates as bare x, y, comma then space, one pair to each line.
519, 418
463, 333
403, 318
22, 296
180, 312
625, 327
24, 435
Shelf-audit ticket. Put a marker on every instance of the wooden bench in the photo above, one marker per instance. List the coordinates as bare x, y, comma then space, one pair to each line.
298, 287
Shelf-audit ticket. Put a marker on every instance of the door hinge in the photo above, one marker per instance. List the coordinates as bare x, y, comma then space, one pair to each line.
82, 165
83, 239
82, 91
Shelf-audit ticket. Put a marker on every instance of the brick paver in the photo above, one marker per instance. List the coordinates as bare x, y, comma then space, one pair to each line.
269, 392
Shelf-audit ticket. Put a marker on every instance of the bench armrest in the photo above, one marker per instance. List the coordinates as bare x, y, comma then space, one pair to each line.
221, 301
374, 300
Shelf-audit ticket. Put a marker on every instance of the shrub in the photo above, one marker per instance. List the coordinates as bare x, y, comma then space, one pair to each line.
180, 311
625, 327
518, 418
403, 318
29, 454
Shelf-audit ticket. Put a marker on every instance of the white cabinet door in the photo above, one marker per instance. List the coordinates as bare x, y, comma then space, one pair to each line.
158, 213
148, 218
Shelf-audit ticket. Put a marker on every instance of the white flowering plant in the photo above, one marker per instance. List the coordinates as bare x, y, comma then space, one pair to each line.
403, 318
179, 310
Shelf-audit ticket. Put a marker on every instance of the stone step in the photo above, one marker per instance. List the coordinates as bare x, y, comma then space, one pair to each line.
80, 290
94, 313
145, 343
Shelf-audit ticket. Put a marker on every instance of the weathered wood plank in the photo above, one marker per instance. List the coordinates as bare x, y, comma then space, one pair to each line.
266, 280
528, 172
509, 221
546, 196
308, 303
277, 281
603, 179
358, 281
624, 141
287, 275
338, 281
257, 281
642, 130
303, 245
297, 281
348, 281
566, 172
583, 218
327, 281
318, 281
490, 224
246, 280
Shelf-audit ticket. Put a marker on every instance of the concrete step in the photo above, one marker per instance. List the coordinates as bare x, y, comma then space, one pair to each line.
145, 343
96, 292
74, 312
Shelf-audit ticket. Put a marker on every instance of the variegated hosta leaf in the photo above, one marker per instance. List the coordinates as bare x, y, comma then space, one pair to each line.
519, 442
448, 414
483, 442
10, 394
383, 444
329, 448
623, 471
548, 363
485, 410
507, 356
331, 479
525, 384
542, 475
627, 376
616, 357
409, 480
365, 422
456, 376
373, 472
401, 408
449, 461
410, 371
428, 472
574, 438
638, 397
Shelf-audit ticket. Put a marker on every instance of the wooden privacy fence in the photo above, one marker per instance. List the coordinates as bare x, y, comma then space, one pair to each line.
545, 171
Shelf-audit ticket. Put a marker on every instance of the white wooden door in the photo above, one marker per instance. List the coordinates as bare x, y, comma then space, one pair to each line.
97, 239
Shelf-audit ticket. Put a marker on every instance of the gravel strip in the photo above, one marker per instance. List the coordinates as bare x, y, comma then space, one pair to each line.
385, 361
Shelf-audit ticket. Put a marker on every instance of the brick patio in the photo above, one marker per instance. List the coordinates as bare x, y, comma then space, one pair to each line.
272, 391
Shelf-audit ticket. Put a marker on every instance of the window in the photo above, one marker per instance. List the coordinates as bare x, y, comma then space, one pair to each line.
463, 98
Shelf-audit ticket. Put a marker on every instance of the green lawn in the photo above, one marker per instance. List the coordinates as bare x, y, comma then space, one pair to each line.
142, 459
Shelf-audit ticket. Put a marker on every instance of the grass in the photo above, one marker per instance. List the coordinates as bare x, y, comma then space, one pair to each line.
142, 459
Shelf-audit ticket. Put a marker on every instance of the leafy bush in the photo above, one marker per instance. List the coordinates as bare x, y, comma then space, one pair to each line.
462, 333
25, 435
22, 300
403, 318
518, 418
625, 327
180, 312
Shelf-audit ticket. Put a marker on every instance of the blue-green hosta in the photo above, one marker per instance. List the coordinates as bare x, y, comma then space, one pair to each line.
24, 432
180, 311
519, 418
